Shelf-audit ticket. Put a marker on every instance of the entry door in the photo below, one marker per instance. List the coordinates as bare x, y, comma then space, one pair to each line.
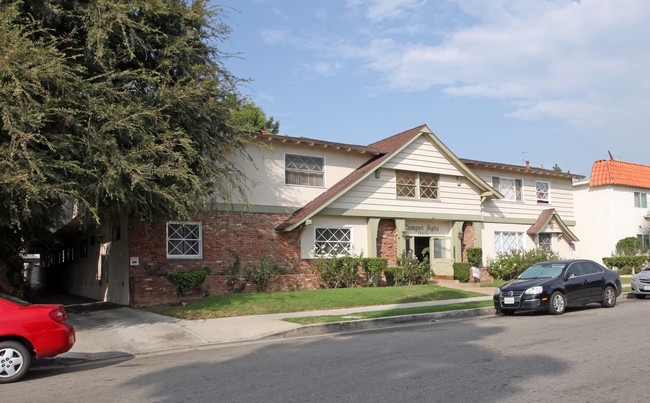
441, 262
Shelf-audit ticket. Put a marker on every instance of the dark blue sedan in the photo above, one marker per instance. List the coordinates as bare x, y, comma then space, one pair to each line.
552, 286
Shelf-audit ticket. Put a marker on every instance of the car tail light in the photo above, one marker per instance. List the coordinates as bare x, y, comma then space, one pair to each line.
58, 315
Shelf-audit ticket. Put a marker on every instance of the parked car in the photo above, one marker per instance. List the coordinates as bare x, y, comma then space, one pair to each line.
552, 286
28, 331
640, 285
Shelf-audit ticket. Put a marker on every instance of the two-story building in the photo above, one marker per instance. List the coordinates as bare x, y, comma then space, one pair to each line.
311, 197
612, 205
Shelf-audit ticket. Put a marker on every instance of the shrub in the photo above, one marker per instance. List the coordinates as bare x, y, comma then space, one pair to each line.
461, 272
389, 273
629, 246
475, 257
186, 281
264, 272
337, 272
373, 267
510, 264
626, 264
410, 270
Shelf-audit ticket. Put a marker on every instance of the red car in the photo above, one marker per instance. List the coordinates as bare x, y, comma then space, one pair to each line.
28, 331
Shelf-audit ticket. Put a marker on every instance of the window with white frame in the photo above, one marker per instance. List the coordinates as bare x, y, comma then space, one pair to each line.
304, 170
333, 241
640, 199
545, 241
543, 192
511, 189
184, 240
645, 240
506, 241
416, 185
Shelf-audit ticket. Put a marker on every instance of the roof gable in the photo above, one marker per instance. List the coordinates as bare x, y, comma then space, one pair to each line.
613, 172
389, 147
548, 217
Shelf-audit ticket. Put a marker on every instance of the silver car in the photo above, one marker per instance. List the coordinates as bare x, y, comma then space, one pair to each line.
641, 283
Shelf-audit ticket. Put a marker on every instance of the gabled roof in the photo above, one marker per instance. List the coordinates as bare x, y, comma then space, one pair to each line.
315, 142
545, 218
520, 169
387, 148
612, 172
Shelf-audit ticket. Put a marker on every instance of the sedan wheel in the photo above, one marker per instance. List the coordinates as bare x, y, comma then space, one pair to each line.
609, 297
558, 303
14, 361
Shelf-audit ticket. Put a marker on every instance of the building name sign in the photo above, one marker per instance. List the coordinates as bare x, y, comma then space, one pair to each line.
423, 229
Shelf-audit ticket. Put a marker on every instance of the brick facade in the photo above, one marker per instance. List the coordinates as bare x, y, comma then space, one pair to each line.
226, 235
387, 240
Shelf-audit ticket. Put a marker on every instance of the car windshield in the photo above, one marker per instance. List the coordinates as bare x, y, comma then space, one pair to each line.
15, 300
544, 270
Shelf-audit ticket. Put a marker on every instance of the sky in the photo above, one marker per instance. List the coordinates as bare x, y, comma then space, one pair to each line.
553, 82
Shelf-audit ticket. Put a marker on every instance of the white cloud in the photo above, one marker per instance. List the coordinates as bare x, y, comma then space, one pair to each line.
379, 10
585, 62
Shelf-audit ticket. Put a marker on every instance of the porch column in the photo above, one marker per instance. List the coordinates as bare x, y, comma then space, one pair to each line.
373, 227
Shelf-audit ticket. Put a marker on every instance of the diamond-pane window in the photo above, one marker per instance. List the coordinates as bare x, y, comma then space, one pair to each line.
511, 189
428, 186
333, 241
416, 185
544, 241
304, 170
506, 241
184, 240
406, 184
543, 192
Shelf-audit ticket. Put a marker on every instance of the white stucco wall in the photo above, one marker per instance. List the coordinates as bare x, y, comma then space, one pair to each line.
605, 215
357, 225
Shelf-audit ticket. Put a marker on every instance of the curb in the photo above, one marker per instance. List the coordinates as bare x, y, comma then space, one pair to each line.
366, 324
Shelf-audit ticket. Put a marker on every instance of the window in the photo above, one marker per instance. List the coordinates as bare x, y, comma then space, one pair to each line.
511, 189
505, 241
640, 199
645, 240
544, 241
184, 240
333, 241
416, 185
543, 191
304, 170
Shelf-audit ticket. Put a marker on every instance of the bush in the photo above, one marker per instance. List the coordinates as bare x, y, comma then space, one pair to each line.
337, 272
475, 257
626, 264
373, 267
509, 265
264, 272
186, 281
461, 272
389, 273
412, 271
629, 246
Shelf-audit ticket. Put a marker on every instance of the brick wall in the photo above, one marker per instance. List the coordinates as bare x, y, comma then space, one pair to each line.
225, 236
387, 240
469, 239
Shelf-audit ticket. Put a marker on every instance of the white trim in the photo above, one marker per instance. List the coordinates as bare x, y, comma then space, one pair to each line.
200, 240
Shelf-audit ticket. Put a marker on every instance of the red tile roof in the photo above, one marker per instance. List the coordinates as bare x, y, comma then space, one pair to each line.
613, 172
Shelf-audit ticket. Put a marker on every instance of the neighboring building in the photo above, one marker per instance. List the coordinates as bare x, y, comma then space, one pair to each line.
308, 196
612, 205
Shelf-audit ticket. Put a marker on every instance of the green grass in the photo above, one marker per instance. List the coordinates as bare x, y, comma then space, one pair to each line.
309, 320
229, 305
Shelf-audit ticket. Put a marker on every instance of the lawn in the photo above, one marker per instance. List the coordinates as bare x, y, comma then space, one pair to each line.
309, 320
242, 304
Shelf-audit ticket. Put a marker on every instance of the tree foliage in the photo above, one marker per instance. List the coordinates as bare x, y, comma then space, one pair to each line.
124, 106
252, 118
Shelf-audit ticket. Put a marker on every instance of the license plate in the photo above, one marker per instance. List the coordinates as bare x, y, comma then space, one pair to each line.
646, 288
509, 300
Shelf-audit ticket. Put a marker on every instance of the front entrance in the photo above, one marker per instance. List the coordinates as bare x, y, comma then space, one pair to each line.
421, 247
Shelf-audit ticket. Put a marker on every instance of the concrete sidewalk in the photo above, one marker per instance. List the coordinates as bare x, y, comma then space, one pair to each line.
112, 331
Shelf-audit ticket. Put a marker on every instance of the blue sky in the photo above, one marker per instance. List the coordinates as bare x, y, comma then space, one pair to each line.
496, 80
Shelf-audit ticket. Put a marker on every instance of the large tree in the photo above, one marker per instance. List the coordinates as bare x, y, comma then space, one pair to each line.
123, 106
